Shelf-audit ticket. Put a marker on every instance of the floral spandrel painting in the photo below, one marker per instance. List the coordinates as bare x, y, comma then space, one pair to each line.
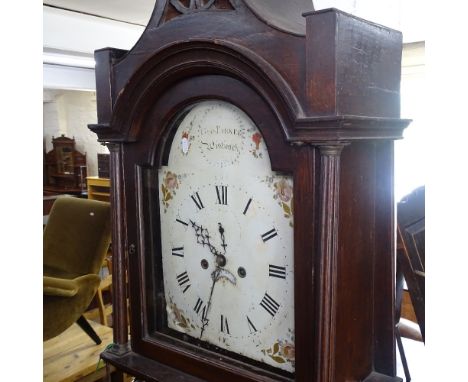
169, 187
281, 352
283, 194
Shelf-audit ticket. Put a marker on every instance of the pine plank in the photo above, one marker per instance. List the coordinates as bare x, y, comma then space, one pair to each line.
73, 356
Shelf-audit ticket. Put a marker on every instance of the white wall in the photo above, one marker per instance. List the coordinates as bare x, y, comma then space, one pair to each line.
411, 152
71, 31
74, 36
69, 112
407, 16
68, 78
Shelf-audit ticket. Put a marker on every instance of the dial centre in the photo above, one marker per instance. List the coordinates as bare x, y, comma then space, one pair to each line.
220, 260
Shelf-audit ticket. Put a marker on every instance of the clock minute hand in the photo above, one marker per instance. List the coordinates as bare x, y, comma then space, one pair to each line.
221, 232
205, 320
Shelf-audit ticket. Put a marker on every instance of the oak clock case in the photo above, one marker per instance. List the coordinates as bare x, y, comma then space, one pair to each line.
305, 109
226, 239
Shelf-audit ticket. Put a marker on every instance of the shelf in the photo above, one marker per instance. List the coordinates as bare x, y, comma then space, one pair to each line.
98, 188
100, 193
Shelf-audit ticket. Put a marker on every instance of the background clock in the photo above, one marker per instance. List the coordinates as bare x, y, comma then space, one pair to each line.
227, 237
252, 194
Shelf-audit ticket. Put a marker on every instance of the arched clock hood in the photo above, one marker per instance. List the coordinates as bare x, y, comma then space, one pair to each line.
263, 38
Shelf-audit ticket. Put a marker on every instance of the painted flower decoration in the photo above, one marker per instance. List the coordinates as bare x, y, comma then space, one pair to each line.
177, 317
281, 352
284, 190
170, 181
257, 138
283, 194
168, 187
287, 350
185, 143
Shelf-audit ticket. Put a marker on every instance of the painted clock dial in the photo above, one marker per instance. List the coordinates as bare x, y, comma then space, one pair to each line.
227, 237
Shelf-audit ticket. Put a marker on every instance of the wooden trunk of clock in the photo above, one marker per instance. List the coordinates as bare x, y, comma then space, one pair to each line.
317, 97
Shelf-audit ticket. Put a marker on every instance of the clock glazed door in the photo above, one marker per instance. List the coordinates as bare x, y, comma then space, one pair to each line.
227, 238
210, 201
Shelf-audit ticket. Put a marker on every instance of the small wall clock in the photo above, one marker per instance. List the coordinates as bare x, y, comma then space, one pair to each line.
252, 168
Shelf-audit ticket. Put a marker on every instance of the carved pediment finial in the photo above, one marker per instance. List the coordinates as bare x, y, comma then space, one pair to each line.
194, 5
285, 15
167, 10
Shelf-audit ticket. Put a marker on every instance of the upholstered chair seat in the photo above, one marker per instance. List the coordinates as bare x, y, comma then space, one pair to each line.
76, 240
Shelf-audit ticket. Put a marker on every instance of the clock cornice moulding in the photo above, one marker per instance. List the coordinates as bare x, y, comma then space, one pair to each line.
298, 72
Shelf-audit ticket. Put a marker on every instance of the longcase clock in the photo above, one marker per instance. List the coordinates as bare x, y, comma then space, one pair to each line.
252, 193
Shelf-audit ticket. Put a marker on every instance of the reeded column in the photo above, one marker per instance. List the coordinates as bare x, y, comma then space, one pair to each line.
119, 285
326, 265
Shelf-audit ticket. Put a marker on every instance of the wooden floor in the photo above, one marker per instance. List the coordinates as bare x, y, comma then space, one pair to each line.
73, 356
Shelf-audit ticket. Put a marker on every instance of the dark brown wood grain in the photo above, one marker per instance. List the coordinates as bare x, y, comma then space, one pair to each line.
327, 105
384, 260
326, 269
147, 369
119, 287
354, 47
305, 247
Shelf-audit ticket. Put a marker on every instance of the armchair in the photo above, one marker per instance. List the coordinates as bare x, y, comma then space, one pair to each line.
76, 239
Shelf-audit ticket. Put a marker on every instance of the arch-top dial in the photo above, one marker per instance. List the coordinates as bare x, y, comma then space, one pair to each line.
227, 237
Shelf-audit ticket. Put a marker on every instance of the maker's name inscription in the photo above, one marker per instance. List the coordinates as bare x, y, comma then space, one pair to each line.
222, 138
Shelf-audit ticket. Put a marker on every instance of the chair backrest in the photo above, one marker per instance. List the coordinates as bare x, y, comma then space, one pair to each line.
77, 236
411, 257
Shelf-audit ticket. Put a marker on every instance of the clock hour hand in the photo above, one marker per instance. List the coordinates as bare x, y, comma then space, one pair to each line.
203, 238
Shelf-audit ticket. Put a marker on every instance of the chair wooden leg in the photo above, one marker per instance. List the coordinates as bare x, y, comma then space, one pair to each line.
84, 324
101, 307
402, 355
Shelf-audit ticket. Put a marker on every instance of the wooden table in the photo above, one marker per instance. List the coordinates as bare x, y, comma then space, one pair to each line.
73, 356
